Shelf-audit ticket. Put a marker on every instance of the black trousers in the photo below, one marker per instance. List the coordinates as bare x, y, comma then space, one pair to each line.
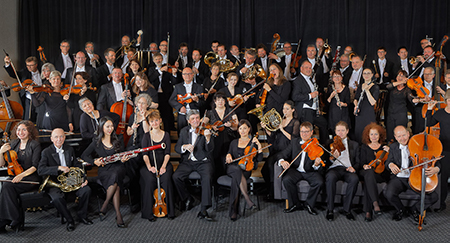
59, 202
205, 169
9, 201
397, 185
267, 172
445, 173
309, 115
166, 112
293, 176
181, 122
370, 187
340, 173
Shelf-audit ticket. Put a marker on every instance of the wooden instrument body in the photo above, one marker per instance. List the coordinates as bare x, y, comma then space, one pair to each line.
417, 85
378, 163
160, 207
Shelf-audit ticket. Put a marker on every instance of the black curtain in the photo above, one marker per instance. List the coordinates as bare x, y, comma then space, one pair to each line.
363, 24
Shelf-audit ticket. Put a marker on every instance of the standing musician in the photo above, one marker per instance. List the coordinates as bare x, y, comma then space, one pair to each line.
304, 94
163, 82
345, 68
122, 58
134, 67
303, 168
89, 120
57, 159
442, 88
278, 89
344, 170
238, 176
32, 72
63, 61
198, 66
104, 71
110, 175
113, 91
80, 66
287, 60
209, 81
46, 70
93, 59
28, 152
234, 50
231, 90
326, 60
442, 116
163, 47
338, 110
399, 158
57, 113
365, 113
355, 78
384, 68
186, 88
428, 82
402, 62
264, 59
280, 139
183, 58
143, 86
195, 150
373, 140
317, 67
215, 46
148, 172
250, 58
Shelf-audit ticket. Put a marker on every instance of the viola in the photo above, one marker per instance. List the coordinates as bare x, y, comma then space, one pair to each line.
313, 149
239, 99
10, 156
263, 95
247, 163
378, 163
187, 98
337, 145
18, 87
417, 85
201, 129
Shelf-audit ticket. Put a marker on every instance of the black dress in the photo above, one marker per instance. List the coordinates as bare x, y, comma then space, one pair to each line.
110, 173
57, 113
235, 172
370, 177
88, 125
9, 203
240, 111
72, 103
139, 134
207, 84
148, 179
366, 113
397, 109
150, 91
336, 114
277, 96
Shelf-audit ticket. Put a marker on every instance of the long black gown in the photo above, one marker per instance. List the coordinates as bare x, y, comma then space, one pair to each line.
336, 114
235, 172
277, 96
9, 203
148, 179
366, 113
57, 113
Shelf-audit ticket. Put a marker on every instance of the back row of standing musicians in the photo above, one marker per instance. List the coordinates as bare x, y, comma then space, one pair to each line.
302, 91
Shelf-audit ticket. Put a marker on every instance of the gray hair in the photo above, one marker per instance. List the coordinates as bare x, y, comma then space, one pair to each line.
54, 74
49, 66
192, 112
143, 95
82, 100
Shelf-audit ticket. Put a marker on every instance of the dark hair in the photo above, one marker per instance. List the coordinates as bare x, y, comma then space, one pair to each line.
84, 75
107, 51
32, 59
342, 123
224, 47
292, 105
182, 44
308, 125
219, 95
246, 122
402, 72
366, 133
100, 134
382, 48
33, 133
402, 47
283, 79
261, 45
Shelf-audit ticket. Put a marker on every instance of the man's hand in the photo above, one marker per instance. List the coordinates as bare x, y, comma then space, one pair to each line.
64, 169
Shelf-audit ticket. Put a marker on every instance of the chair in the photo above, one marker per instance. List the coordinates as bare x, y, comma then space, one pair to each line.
33, 200
225, 181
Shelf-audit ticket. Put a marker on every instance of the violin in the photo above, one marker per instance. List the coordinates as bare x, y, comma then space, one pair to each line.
263, 95
239, 99
18, 87
295, 60
247, 163
417, 85
201, 129
160, 207
378, 163
313, 149
10, 156
76, 89
187, 98
337, 145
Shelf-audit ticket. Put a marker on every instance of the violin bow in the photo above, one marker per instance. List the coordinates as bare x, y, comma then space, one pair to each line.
14, 69
417, 68
251, 153
296, 157
74, 68
326, 150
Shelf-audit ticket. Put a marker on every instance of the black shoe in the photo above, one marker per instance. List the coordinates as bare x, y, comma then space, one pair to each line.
291, 209
330, 215
70, 226
378, 213
442, 208
204, 215
16, 228
349, 216
189, 204
368, 217
171, 217
310, 209
152, 219
253, 208
86, 221
102, 215
398, 215
416, 216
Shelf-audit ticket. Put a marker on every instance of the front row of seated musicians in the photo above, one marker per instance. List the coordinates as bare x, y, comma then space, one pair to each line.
197, 146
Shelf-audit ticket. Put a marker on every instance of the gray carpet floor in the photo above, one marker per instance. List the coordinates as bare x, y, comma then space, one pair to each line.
269, 224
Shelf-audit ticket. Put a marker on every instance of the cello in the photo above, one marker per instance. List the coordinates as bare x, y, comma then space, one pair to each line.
9, 110
124, 110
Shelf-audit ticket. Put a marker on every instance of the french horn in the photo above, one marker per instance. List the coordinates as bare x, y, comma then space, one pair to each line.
271, 119
70, 181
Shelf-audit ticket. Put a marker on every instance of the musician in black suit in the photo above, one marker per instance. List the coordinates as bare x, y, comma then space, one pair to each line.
325, 62
195, 150
222, 52
399, 158
93, 59
63, 61
183, 59
112, 92
384, 72
345, 68
287, 60
80, 61
442, 88
402, 62
243, 69
187, 87
122, 58
265, 60
303, 168
304, 94
57, 159
234, 50
104, 71
163, 48
428, 82
345, 166
200, 69
428, 53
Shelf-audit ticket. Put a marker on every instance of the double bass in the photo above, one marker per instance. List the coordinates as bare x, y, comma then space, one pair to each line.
9, 110
124, 110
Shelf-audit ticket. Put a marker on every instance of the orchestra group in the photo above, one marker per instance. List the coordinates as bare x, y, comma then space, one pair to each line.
220, 99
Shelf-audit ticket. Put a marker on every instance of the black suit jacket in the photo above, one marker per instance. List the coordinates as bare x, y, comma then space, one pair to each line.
389, 68
90, 70
398, 67
168, 80
203, 71
292, 151
281, 64
300, 94
59, 63
102, 73
347, 75
107, 96
88, 61
202, 149
48, 165
180, 89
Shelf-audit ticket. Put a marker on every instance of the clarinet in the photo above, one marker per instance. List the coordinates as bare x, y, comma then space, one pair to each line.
316, 99
361, 97
135, 129
336, 96
95, 118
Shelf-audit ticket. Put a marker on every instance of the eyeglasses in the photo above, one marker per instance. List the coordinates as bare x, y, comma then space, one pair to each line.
187, 74
305, 131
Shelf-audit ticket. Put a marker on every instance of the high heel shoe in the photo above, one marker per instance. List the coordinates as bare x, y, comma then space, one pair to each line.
121, 225
102, 215
16, 227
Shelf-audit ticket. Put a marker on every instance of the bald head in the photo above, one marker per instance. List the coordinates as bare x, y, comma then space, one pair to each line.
401, 135
58, 137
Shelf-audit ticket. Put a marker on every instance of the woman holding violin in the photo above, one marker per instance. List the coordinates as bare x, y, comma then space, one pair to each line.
110, 175
163, 167
280, 139
208, 83
142, 85
225, 124
78, 91
28, 152
276, 89
239, 177
339, 99
373, 154
232, 92
365, 99
57, 113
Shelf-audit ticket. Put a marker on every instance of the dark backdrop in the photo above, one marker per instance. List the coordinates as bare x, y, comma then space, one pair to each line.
364, 24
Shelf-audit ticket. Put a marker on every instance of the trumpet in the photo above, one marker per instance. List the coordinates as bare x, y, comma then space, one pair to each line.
327, 48
350, 56
412, 60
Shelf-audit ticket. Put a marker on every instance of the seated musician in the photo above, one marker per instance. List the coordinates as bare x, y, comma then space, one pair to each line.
239, 176
343, 168
57, 159
303, 168
110, 175
195, 150
113, 91
28, 152
186, 88
399, 158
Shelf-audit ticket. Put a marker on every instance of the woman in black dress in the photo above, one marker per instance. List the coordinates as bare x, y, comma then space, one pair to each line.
89, 120
57, 113
110, 175
365, 113
278, 89
338, 111
208, 82
373, 140
72, 100
138, 125
280, 139
223, 139
133, 68
46, 70
142, 85
238, 176
28, 155
148, 182
230, 91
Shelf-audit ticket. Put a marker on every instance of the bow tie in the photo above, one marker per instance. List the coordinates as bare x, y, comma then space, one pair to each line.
403, 146
60, 151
